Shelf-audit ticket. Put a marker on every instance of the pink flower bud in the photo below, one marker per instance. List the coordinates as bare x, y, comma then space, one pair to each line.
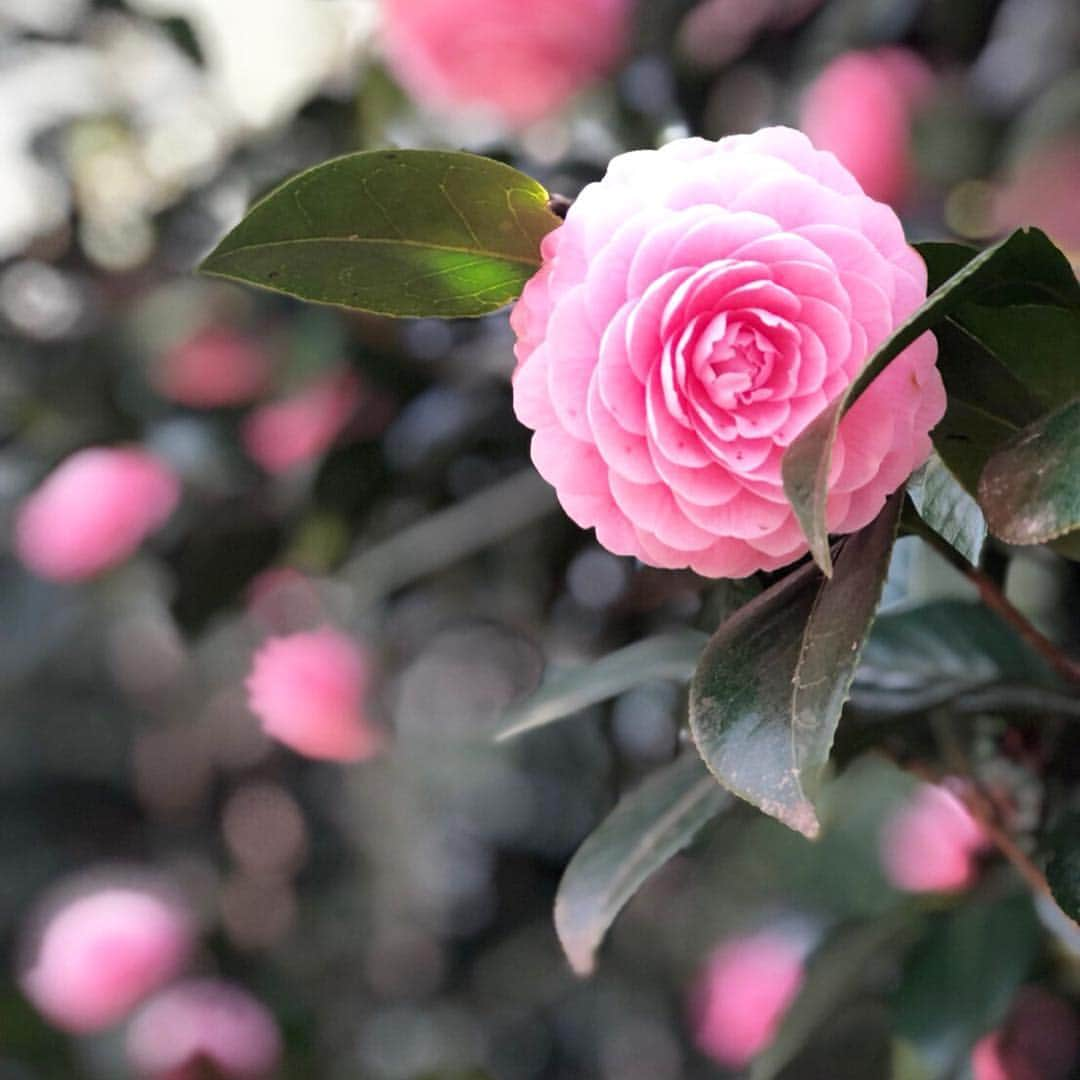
213, 367
516, 62
1040, 1040
203, 1023
743, 993
93, 511
860, 108
308, 691
287, 433
930, 843
99, 954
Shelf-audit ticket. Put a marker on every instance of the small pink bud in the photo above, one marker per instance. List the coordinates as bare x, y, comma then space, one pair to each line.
743, 993
200, 1024
930, 843
860, 108
215, 366
93, 511
287, 433
1040, 1040
100, 954
308, 691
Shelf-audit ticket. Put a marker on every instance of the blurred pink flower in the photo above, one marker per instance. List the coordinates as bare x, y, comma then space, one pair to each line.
287, 433
698, 308
517, 61
1040, 1040
201, 1024
742, 995
860, 107
213, 367
101, 953
719, 30
1041, 190
93, 511
930, 843
308, 690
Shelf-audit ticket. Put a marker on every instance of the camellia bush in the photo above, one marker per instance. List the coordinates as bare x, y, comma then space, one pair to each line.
732, 361
544, 540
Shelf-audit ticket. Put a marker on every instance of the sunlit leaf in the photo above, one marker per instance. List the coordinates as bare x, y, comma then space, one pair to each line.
394, 232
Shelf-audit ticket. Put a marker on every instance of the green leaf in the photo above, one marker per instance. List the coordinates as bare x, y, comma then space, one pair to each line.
1063, 866
1030, 487
665, 656
767, 695
925, 656
835, 976
948, 509
959, 980
648, 826
1023, 268
394, 232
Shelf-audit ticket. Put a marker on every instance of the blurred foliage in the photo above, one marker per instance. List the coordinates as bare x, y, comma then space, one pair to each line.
409, 935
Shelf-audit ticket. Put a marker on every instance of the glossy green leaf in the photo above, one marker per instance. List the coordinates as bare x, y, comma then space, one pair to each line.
1023, 268
1063, 865
665, 656
767, 695
394, 232
1030, 487
959, 980
648, 826
922, 657
948, 509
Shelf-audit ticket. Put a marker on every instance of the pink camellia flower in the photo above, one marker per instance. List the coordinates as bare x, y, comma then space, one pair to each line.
308, 690
203, 1026
930, 843
717, 31
103, 952
93, 511
743, 993
284, 434
215, 366
1040, 1040
516, 62
860, 108
697, 309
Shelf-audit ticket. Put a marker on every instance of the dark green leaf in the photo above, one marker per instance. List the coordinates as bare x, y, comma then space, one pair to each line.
1039, 344
959, 980
1030, 487
947, 508
395, 232
666, 656
768, 693
648, 826
1063, 867
925, 656
835, 975
1023, 268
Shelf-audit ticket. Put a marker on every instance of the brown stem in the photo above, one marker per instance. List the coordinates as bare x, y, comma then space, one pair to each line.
992, 596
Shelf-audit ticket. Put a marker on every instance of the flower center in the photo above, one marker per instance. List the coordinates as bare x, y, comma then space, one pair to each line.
733, 362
